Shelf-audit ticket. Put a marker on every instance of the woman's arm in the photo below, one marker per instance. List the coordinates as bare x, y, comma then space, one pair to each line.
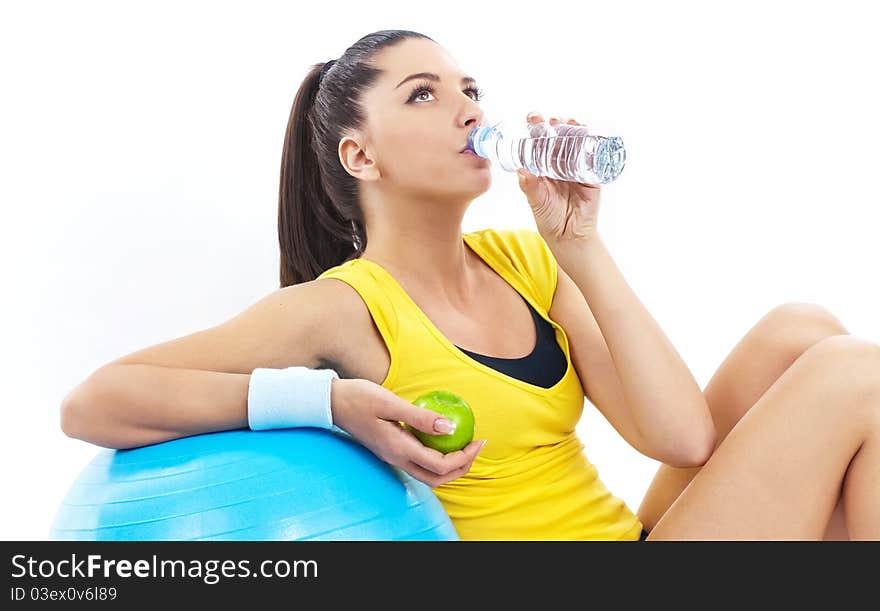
130, 405
664, 400
199, 383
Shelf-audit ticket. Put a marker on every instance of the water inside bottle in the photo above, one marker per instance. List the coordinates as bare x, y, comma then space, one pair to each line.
562, 151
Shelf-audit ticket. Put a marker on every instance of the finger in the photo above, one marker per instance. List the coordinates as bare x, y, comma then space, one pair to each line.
421, 418
431, 479
428, 458
527, 180
575, 122
466, 455
438, 462
434, 479
472, 449
435, 461
456, 473
420, 473
535, 124
537, 128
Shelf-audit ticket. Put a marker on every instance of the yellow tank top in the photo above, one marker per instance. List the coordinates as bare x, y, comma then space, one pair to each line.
533, 480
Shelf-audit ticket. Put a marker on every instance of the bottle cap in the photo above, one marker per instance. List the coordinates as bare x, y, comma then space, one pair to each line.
481, 137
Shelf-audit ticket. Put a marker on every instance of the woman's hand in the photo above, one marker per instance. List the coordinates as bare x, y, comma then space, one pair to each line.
372, 415
564, 210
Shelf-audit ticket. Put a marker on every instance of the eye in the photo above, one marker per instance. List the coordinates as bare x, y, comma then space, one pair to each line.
478, 93
427, 87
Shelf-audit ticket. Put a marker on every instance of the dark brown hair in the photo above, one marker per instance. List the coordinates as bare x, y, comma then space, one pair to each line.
320, 220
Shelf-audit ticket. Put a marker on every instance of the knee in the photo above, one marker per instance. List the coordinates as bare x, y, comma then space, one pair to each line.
853, 361
796, 326
849, 348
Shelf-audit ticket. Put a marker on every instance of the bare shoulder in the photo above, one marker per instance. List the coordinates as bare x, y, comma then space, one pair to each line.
295, 325
354, 346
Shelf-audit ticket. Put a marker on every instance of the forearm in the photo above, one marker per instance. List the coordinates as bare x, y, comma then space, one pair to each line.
124, 406
664, 399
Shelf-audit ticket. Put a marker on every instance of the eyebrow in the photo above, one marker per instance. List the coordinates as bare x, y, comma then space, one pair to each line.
467, 80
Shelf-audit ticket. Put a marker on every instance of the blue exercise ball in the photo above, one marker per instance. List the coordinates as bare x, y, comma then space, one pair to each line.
286, 484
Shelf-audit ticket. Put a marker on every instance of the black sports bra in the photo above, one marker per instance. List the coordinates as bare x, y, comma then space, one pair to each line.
544, 367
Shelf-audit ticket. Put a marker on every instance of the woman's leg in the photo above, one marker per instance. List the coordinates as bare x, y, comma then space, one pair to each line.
811, 439
754, 364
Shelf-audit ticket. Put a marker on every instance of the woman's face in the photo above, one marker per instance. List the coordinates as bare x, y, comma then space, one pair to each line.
416, 127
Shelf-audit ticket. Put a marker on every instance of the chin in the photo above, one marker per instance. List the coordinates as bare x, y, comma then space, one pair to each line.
473, 191
477, 180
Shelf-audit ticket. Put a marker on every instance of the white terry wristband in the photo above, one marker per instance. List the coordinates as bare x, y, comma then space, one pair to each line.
291, 397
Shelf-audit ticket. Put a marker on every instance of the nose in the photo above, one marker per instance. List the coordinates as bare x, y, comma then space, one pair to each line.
472, 114
473, 119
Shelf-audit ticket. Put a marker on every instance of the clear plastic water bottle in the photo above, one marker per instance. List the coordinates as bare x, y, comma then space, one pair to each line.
562, 151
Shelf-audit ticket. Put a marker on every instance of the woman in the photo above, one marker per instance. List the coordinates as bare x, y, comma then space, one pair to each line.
784, 443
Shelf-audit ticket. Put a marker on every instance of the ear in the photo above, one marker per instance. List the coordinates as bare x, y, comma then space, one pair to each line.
356, 159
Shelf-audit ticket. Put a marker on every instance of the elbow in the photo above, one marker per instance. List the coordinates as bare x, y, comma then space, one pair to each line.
685, 458
702, 437
699, 455
698, 451
78, 415
73, 414
81, 415
707, 438
80, 420
75, 421
693, 448
71, 419
76, 424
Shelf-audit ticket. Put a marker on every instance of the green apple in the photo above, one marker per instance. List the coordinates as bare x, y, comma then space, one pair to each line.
453, 408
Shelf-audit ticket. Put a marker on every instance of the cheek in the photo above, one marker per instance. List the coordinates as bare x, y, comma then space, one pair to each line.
414, 159
416, 162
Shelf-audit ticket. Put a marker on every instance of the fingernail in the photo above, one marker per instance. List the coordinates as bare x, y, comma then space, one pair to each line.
482, 445
442, 425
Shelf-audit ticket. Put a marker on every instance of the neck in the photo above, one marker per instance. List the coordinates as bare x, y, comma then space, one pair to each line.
421, 245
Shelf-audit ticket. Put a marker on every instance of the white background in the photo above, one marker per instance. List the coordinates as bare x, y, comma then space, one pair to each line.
140, 148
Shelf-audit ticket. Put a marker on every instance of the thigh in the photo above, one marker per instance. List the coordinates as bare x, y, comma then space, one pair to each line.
769, 348
762, 355
778, 473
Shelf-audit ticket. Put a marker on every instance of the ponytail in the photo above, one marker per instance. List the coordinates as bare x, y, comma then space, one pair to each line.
312, 235
320, 220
